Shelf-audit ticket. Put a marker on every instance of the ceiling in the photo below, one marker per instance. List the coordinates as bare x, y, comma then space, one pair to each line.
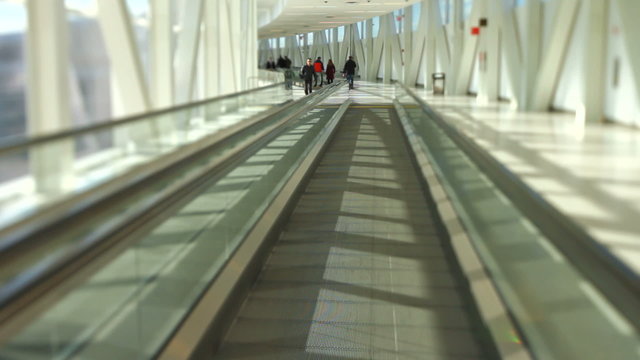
290, 17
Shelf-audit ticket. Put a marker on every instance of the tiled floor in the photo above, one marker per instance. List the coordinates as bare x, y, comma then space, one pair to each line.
360, 271
591, 173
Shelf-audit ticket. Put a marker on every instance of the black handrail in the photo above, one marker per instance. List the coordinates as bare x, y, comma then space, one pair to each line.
13, 293
615, 279
17, 144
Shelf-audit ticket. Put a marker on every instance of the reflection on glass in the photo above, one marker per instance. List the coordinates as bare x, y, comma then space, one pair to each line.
101, 155
13, 112
129, 307
548, 297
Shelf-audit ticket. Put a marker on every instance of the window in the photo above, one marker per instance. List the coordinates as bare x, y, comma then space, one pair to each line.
466, 12
417, 7
375, 24
445, 10
13, 107
398, 17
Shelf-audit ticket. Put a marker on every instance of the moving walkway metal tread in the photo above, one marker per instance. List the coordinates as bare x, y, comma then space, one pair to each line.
360, 270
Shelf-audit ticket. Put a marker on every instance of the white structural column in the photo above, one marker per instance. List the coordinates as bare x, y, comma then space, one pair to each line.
389, 33
228, 62
595, 58
48, 93
376, 51
212, 48
431, 47
335, 49
125, 59
629, 10
366, 67
251, 56
359, 50
161, 75
418, 55
532, 42
510, 46
554, 55
239, 25
489, 53
187, 50
407, 46
468, 56
457, 33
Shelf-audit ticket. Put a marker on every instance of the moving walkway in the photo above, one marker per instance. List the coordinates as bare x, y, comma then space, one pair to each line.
317, 228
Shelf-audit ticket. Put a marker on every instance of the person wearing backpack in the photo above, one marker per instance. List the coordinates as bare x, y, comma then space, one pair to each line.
318, 66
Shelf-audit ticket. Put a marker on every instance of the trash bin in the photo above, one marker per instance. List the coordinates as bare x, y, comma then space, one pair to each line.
438, 83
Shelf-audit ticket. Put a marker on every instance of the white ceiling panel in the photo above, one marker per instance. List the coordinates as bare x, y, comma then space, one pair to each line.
301, 16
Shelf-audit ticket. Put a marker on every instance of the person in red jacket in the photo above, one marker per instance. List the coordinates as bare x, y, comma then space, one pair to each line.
331, 72
318, 66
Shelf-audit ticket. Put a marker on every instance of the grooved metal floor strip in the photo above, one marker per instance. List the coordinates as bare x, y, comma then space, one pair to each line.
360, 271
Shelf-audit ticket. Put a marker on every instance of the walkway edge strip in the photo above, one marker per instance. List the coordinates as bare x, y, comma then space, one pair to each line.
608, 273
492, 309
201, 333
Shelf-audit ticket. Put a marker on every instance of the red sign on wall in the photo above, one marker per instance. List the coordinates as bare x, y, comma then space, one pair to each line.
475, 30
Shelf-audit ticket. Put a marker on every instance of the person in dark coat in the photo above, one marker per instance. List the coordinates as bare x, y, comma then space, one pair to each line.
331, 71
271, 65
287, 62
307, 73
350, 71
281, 62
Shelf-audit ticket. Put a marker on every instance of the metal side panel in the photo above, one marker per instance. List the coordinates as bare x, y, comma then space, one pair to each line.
361, 270
199, 335
491, 308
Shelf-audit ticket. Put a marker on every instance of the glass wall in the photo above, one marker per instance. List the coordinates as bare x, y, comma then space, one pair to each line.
13, 107
375, 26
417, 7
90, 72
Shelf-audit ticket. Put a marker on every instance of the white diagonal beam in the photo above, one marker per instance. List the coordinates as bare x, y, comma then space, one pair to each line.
419, 45
553, 60
512, 50
187, 50
48, 93
125, 59
457, 38
212, 49
408, 45
376, 58
386, 23
467, 59
532, 48
595, 59
489, 48
228, 62
629, 10
161, 75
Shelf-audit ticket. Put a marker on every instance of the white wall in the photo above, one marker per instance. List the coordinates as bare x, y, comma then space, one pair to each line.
621, 101
562, 84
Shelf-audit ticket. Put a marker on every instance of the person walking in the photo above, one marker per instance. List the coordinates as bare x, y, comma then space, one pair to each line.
331, 72
350, 71
307, 72
319, 68
271, 65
